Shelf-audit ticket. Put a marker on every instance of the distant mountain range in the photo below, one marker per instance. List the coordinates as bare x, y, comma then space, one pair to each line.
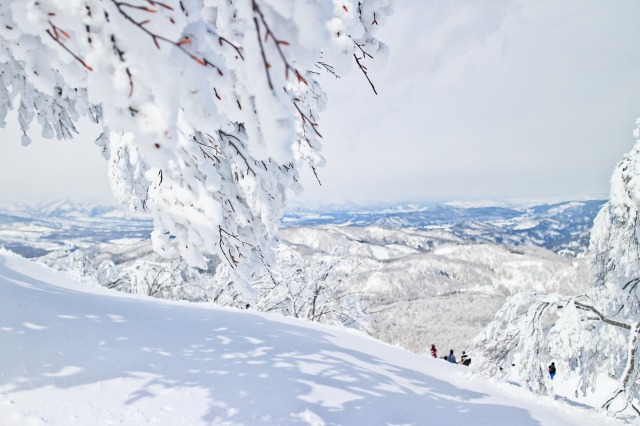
562, 227
33, 230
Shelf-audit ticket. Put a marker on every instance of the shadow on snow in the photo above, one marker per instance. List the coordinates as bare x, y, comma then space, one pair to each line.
251, 369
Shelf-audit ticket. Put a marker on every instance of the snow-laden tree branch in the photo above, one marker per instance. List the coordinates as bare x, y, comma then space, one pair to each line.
209, 107
589, 335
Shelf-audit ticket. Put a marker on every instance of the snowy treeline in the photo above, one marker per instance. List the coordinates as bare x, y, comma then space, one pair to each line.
594, 334
208, 108
163, 279
315, 289
406, 287
417, 286
423, 287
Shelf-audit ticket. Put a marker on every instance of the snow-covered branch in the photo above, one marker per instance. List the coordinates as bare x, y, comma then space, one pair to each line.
602, 317
209, 108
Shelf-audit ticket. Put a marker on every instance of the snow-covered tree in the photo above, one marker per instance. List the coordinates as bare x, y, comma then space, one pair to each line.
591, 334
615, 258
316, 288
209, 107
73, 260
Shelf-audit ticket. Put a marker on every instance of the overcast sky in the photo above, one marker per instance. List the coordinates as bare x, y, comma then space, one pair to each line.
480, 100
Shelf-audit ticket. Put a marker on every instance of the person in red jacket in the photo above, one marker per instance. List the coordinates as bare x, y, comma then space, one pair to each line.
434, 351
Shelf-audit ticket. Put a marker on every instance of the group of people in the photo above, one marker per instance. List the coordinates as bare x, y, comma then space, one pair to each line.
464, 359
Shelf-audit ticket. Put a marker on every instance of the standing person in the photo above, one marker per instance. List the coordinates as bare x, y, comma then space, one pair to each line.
451, 358
552, 370
434, 351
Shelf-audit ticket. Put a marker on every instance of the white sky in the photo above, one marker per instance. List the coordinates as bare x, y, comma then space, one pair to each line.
482, 100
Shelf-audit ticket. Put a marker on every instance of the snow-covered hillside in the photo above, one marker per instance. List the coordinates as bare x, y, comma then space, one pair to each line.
419, 286
72, 354
425, 287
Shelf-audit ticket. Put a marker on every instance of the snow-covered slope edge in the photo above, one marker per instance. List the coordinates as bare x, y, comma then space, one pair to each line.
71, 354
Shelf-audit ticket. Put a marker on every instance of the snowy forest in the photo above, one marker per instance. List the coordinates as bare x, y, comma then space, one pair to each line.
594, 334
209, 110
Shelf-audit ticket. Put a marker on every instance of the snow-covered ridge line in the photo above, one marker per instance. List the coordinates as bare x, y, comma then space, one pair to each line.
560, 226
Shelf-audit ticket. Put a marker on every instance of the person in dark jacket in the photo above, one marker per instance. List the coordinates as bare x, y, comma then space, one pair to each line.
464, 359
434, 351
552, 370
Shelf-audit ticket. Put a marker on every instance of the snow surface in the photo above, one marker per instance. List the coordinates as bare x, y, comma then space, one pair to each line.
72, 354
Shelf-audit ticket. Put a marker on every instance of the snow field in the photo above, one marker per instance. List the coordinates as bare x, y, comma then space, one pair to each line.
72, 354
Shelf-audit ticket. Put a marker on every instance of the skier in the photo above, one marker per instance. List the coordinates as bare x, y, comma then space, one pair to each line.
434, 351
552, 370
451, 358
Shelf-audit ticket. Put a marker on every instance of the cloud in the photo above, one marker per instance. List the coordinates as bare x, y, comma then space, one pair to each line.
52, 169
487, 100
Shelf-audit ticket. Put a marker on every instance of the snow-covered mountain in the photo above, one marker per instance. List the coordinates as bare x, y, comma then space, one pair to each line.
439, 281
33, 230
562, 227
74, 354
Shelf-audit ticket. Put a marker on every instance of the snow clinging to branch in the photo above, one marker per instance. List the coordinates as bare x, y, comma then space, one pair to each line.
209, 107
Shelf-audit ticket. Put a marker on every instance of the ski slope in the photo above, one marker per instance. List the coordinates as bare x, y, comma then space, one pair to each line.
71, 354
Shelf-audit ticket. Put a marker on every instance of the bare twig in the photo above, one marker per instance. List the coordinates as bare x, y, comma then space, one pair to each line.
156, 38
364, 71
55, 35
306, 119
278, 44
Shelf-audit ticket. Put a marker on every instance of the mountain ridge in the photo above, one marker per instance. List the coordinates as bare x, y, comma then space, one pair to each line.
561, 227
